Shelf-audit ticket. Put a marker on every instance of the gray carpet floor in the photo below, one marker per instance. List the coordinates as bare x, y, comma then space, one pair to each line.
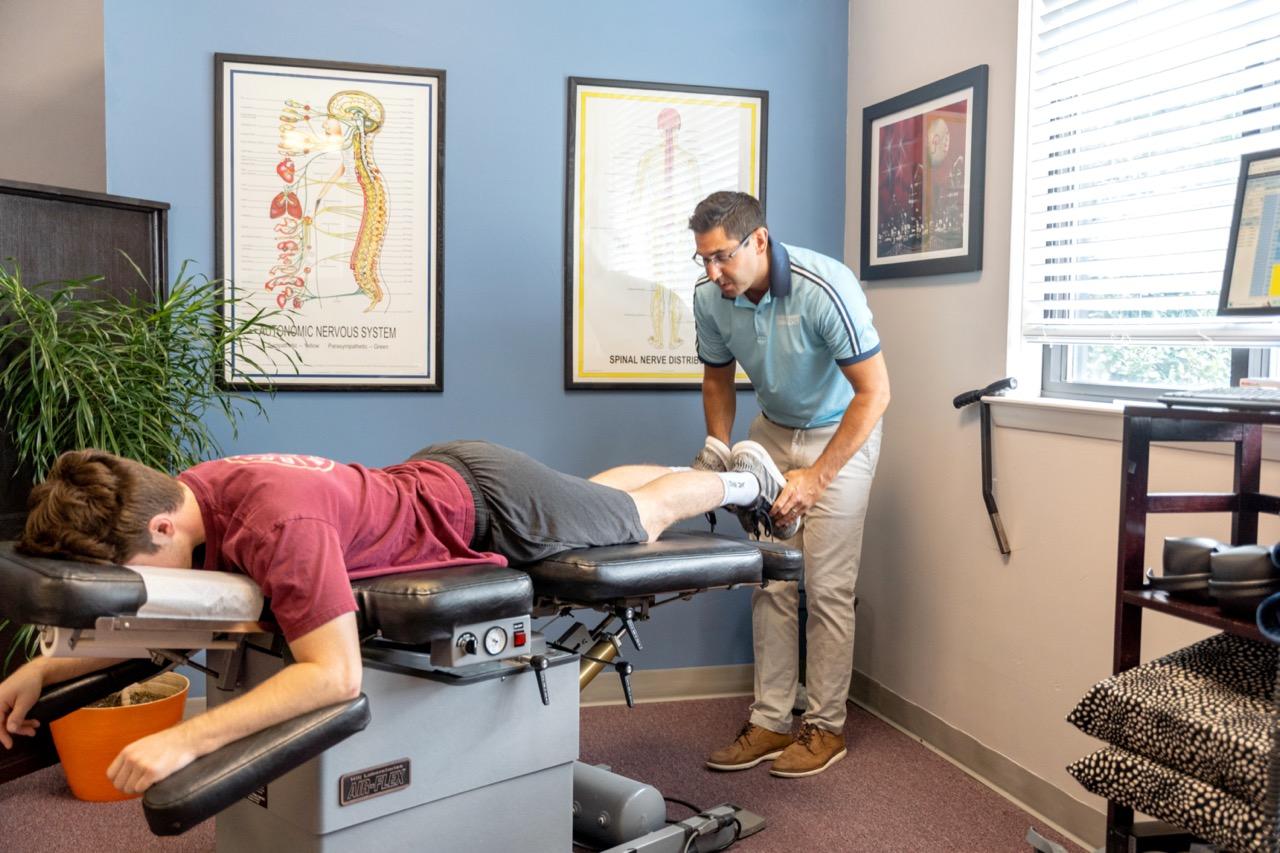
889, 794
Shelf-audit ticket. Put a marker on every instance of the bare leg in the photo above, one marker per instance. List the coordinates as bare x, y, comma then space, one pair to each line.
628, 478
675, 496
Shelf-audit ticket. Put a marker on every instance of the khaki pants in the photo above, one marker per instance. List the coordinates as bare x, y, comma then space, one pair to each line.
831, 538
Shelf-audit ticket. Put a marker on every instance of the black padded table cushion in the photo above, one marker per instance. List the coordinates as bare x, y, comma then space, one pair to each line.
418, 607
68, 594
676, 563
781, 562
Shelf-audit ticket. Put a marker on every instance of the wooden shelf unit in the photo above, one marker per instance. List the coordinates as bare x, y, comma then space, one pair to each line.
1144, 424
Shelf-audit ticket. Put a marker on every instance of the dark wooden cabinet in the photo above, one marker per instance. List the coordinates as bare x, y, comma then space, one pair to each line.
1142, 426
51, 234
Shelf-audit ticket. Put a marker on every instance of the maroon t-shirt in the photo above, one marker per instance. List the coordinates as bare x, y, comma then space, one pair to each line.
303, 526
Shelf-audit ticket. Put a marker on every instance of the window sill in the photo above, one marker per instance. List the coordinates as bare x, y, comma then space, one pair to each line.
1094, 420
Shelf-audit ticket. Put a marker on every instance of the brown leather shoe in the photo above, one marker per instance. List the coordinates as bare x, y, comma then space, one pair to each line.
752, 745
814, 750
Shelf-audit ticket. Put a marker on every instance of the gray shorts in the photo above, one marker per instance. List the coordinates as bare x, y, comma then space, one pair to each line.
532, 511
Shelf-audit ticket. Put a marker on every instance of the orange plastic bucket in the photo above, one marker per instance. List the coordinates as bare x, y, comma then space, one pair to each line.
88, 740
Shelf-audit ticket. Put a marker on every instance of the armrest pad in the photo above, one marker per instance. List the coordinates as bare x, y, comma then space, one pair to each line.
61, 699
212, 782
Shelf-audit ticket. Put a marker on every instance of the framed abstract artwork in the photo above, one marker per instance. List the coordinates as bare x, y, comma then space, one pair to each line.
923, 169
329, 208
640, 158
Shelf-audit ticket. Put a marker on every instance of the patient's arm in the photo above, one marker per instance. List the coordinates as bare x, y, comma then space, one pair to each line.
20, 691
327, 670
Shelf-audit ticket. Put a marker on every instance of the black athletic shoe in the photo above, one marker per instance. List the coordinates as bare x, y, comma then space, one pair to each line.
751, 458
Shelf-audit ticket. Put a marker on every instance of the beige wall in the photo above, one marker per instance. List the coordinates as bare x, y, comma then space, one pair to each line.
53, 123
998, 648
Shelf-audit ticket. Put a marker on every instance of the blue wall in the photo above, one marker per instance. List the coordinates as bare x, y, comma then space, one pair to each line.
506, 64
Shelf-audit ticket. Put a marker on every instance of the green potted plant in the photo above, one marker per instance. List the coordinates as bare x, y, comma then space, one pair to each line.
19, 643
80, 367
137, 377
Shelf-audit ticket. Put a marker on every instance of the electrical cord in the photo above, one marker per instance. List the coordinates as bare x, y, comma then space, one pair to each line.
679, 802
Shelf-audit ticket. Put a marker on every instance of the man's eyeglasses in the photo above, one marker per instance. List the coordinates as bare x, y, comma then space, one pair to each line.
719, 258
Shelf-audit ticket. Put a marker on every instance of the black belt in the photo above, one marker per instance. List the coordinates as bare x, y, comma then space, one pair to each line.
480, 536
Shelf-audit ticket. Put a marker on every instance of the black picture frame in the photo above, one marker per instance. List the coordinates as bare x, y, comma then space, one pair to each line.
923, 179
432, 148
657, 98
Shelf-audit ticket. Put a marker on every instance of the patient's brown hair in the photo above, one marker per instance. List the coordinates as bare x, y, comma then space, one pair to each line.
95, 506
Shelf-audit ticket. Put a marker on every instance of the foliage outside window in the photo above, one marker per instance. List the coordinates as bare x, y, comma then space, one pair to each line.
1157, 366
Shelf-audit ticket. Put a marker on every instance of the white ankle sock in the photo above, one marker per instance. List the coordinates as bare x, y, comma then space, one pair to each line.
740, 488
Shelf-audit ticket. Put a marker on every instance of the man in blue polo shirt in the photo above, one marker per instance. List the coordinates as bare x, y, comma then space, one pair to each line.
798, 324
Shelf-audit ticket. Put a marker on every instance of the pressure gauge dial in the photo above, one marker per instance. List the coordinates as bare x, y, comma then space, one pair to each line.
495, 640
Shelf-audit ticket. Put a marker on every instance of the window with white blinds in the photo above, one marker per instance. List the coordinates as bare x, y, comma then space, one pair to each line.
1136, 114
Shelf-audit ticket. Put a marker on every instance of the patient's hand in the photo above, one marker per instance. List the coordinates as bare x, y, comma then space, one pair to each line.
145, 762
18, 693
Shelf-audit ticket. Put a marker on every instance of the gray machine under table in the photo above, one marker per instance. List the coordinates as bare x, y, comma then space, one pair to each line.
463, 753
475, 716
466, 758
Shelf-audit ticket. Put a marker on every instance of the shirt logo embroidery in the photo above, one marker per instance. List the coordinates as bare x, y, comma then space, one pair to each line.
788, 319
284, 460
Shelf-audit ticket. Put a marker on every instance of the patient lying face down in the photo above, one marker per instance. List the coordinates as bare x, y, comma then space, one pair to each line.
303, 527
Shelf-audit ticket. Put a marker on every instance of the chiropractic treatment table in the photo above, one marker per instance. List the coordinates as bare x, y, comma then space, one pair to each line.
466, 734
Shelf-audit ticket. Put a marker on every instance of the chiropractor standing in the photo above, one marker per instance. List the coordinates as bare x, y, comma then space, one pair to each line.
799, 325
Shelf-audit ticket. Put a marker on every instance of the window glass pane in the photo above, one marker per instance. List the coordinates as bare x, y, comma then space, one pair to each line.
1153, 366
1271, 363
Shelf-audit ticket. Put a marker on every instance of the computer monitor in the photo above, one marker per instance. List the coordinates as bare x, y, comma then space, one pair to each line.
1251, 282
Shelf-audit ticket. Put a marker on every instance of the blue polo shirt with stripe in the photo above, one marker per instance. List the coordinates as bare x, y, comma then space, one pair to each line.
813, 320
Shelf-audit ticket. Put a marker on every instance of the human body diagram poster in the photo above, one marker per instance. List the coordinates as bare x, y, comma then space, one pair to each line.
329, 211
641, 158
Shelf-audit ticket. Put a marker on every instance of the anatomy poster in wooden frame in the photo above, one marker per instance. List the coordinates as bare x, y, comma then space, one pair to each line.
329, 208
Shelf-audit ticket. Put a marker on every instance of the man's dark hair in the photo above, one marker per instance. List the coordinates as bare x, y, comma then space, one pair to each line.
95, 507
737, 213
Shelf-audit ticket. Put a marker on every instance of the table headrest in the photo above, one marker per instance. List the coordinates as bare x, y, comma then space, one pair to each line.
38, 591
